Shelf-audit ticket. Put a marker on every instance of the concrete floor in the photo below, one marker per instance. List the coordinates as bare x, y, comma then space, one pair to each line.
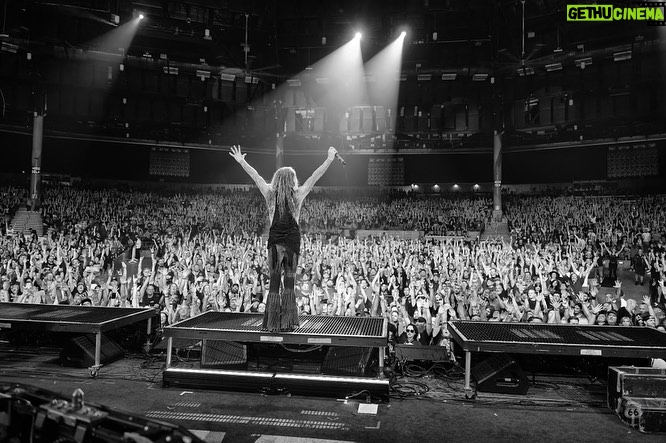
569, 410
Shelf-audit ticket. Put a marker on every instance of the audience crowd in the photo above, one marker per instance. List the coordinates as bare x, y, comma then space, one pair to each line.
188, 253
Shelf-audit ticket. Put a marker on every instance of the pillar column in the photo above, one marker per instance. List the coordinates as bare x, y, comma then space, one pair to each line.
36, 174
497, 175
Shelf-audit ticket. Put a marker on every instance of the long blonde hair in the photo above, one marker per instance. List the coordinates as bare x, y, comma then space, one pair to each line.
283, 186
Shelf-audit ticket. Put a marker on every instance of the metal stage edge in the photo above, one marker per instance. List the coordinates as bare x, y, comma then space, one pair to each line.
306, 384
60, 325
470, 345
292, 383
301, 336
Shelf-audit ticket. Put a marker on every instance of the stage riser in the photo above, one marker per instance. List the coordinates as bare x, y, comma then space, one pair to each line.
296, 384
551, 339
554, 339
313, 330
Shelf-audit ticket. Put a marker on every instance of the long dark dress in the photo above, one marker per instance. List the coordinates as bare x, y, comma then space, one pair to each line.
284, 244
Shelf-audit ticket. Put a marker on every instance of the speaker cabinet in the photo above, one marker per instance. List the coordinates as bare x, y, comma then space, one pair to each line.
223, 354
500, 374
345, 360
79, 352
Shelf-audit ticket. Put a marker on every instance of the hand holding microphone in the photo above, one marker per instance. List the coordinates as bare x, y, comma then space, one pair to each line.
333, 153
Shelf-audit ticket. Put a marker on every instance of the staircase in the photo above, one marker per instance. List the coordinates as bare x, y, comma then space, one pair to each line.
25, 221
495, 231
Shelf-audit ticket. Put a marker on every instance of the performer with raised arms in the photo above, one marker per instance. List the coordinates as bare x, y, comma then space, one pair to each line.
284, 199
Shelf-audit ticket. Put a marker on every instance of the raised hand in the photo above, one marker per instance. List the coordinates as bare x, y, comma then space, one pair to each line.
236, 153
331, 152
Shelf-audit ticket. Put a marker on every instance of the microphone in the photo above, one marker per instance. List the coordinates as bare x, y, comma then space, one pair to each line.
340, 159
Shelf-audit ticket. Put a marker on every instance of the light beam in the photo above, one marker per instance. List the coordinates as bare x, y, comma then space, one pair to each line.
385, 68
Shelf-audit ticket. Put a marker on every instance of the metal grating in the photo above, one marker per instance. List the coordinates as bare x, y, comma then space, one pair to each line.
310, 324
586, 335
246, 419
60, 313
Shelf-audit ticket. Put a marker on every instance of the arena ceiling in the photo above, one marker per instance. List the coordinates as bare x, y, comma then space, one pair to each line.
526, 48
286, 36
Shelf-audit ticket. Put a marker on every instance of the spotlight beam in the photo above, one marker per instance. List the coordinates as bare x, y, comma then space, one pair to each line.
386, 67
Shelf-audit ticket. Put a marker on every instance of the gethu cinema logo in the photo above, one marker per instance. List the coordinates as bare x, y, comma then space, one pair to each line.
608, 13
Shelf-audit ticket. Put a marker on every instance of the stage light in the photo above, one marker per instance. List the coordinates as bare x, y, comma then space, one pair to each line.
358, 35
403, 34
141, 16
620, 56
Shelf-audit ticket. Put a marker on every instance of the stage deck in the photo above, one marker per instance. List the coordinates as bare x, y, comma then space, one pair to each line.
65, 318
74, 319
313, 330
539, 338
531, 338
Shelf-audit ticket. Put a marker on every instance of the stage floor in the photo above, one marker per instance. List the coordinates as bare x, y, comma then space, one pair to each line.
564, 408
